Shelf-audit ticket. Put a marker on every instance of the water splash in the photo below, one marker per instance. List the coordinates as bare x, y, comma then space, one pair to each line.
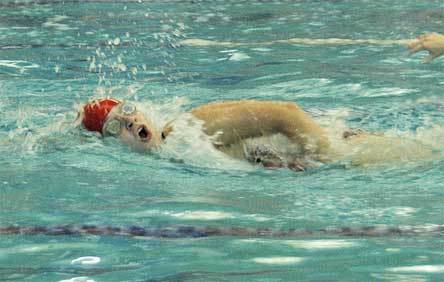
383, 147
30, 132
187, 142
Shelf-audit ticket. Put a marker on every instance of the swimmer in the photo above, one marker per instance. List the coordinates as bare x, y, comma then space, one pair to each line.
431, 42
240, 129
231, 124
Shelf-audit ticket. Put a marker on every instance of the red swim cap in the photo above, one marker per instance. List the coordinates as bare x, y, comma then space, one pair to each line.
95, 113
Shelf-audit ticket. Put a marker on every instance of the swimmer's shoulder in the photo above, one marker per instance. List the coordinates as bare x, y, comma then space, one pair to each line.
248, 103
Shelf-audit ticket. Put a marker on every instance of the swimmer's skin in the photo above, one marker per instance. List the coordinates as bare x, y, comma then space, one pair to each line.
231, 123
431, 42
239, 120
131, 124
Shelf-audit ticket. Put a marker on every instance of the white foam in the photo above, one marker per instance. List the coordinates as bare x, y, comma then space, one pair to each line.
274, 76
260, 241
258, 218
145, 213
228, 51
262, 49
239, 57
54, 22
320, 244
89, 260
399, 277
306, 244
187, 142
78, 279
431, 136
18, 64
277, 260
59, 18
249, 30
199, 214
404, 211
383, 212
46, 247
33, 249
15, 27
393, 250
202, 215
418, 268
388, 92
202, 19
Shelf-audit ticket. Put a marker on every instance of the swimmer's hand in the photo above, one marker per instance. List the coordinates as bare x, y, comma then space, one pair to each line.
270, 159
431, 42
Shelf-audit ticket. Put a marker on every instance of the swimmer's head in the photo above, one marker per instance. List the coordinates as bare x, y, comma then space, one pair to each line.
122, 120
96, 112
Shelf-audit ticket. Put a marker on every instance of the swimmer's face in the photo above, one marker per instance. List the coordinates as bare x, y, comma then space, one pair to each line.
131, 127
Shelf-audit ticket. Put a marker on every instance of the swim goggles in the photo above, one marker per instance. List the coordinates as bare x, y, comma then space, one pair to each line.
114, 126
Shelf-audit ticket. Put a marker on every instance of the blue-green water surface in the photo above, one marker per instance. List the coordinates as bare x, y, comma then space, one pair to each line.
55, 55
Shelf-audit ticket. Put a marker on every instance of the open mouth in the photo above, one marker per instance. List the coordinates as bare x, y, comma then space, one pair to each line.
143, 133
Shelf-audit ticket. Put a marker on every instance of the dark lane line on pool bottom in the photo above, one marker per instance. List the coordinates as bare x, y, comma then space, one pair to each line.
186, 231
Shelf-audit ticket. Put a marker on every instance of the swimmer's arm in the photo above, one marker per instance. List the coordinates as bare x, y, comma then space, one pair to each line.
197, 42
236, 121
431, 42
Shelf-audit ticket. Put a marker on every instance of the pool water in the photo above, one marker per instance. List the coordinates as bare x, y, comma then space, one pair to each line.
336, 222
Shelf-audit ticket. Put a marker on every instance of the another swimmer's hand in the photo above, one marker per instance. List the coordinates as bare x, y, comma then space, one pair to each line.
431, 42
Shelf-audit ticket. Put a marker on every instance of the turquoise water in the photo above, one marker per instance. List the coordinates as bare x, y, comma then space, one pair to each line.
54, 55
